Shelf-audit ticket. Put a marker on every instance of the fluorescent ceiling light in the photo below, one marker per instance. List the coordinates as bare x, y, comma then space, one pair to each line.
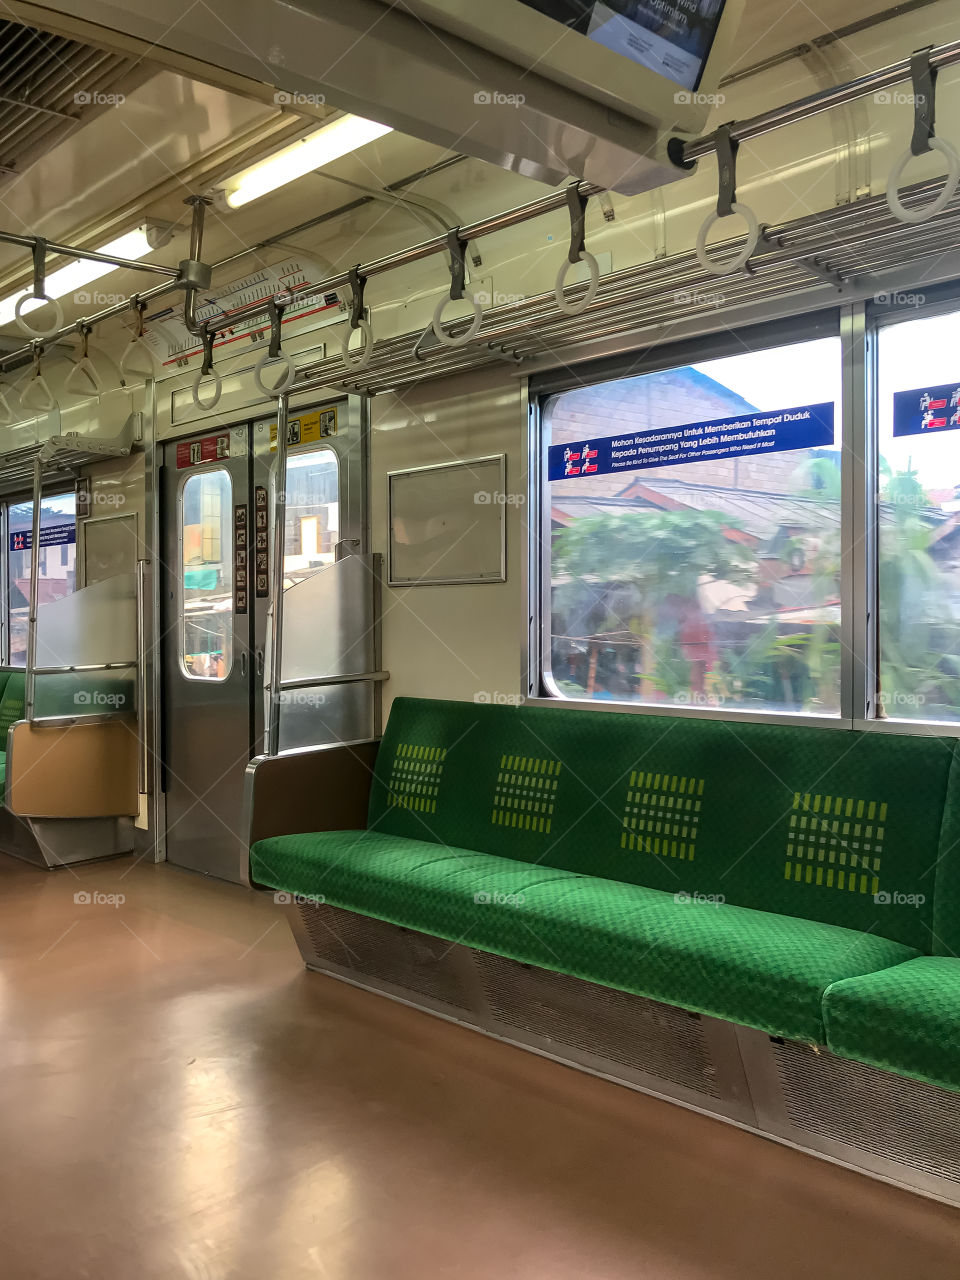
334, 140
81, 272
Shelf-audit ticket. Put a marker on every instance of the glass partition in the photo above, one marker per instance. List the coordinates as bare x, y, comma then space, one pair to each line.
329, 629
92, 627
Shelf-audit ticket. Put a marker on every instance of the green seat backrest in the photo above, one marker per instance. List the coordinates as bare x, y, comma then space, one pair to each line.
832, 825
11, 704
4, 677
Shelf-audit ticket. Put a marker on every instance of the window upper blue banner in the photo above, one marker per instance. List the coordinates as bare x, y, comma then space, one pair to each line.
766, 431
926, 409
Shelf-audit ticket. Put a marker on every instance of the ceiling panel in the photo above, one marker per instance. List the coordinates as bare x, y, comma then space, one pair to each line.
49, 85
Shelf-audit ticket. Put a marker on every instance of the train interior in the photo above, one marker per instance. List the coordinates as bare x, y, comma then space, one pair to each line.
480, 640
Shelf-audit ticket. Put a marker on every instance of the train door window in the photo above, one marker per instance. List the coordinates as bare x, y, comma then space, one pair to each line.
57, 563
312, 510
693, 543
918, 519
206, 564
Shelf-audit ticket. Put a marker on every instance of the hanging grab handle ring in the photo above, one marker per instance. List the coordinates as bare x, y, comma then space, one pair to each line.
727, 148
923, 76
458, 274
83, 379
38, 394
39, 294
138, 345
207, 370
577, 206
357, 359
276, 308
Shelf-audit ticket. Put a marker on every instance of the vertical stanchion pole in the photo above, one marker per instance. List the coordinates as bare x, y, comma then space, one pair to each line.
30, 682
279, 522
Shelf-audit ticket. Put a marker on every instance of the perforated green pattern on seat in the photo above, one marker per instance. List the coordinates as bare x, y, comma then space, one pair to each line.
835, 826
905, 1019
751, 967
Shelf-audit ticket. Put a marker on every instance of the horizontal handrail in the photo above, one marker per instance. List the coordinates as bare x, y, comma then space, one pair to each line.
91, 666
62, 722
311, 682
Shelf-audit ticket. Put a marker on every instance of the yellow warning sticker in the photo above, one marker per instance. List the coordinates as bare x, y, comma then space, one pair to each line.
308, 428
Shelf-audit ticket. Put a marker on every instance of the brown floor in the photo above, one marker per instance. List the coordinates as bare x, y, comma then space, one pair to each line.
179, 1098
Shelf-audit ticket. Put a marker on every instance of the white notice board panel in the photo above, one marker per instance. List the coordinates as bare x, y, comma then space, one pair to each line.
447, 523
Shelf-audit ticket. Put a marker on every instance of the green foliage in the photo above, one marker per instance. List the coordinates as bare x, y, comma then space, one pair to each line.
660, 552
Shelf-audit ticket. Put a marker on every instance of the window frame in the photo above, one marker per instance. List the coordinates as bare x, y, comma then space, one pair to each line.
858, 324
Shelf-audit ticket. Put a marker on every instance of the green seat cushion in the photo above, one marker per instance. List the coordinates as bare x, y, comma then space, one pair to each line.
843, 827
753, 967
905, 1019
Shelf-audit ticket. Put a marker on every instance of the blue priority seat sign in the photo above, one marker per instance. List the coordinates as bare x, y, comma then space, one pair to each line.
766, 431
926, 409
56, 535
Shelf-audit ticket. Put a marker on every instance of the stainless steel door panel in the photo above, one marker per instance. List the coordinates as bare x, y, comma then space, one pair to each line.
207, 698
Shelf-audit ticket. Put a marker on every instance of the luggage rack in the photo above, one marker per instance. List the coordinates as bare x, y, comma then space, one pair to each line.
62, 455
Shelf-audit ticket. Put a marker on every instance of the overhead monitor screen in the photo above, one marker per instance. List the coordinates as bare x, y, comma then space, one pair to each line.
670, 37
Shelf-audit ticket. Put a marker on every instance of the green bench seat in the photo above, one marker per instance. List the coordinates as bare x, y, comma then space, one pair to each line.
753, 967
905, 1019
756, 873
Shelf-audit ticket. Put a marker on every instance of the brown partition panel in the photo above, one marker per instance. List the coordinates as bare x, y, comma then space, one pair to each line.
73, 771
327, 789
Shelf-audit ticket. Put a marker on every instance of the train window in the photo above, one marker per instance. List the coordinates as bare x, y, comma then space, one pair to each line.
918, 519
312, 511
57, 563
694, 542
206, 562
